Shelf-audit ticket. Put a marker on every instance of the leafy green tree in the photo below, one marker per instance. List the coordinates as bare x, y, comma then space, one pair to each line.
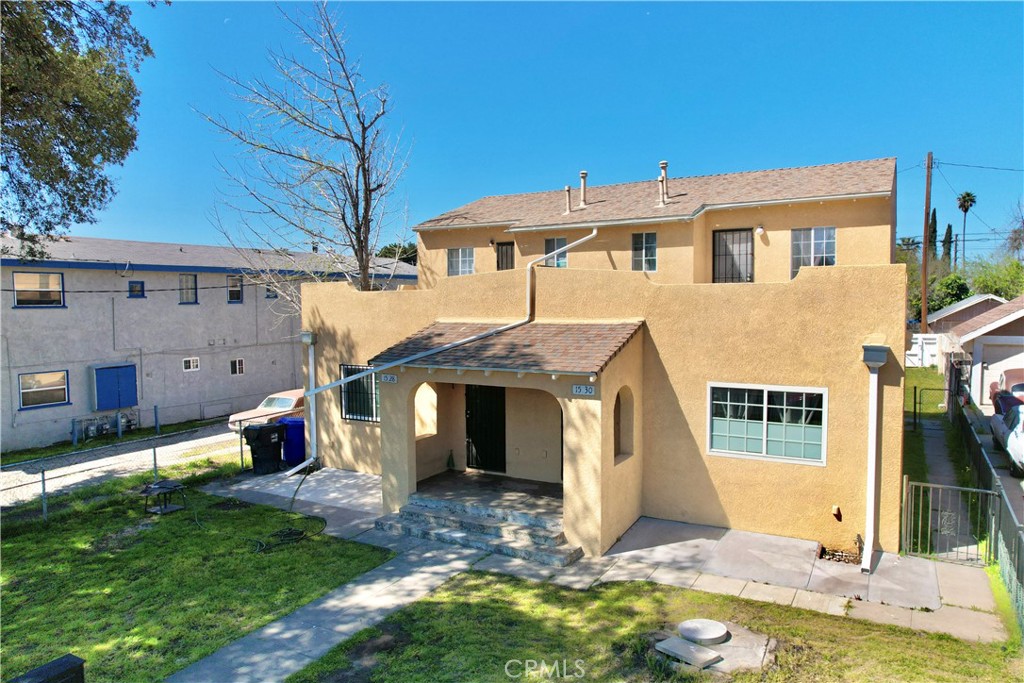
1015, 238
403, 252
907, 254
947, 246
965, 202
948, 291
1003, 277
69, 105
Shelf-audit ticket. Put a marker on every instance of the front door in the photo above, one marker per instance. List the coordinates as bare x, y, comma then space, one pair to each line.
506, 255
485, 427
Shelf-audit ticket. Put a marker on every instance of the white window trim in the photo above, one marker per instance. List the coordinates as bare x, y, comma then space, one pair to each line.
462, 261
239, 366
194, 361
15, 290
764, 436
22, 390
643, 251
552, 261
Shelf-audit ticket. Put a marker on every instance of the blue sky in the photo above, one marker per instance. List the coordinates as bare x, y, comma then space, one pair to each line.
497, 98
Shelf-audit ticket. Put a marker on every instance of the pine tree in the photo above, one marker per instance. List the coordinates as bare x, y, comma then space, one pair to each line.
933, 236
947, 245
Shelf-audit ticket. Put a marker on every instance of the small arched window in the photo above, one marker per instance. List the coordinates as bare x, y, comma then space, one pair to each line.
624, 433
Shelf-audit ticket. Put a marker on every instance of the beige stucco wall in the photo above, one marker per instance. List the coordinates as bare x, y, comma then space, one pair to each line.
864, 236
805, 332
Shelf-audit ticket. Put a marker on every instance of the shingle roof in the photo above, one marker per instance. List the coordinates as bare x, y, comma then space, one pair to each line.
535, 347
969, 329
687, 196
961, 305
98, 250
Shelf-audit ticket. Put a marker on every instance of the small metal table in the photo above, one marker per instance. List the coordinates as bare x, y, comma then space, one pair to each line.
162, 491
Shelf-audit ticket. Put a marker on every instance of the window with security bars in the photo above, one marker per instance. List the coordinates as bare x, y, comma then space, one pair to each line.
813, 247
774, 422
645, 251
553, 244
733, 256
460, 261
359, 398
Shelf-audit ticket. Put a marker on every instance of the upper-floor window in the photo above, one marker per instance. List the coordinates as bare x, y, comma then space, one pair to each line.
136, 289
190, 364
39, 289
645, 251
270, 292
460, 261
38, 389
768, 421
188, 291
813, 247
359, 398
552, 244
238, 366
234, 289
733, 255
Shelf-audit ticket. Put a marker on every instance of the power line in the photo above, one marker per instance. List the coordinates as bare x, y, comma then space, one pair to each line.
973, 212
908, 168
988, 168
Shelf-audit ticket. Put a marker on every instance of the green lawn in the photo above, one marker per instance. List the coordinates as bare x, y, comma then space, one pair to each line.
65, 447
474, 624
928, 401
141, 596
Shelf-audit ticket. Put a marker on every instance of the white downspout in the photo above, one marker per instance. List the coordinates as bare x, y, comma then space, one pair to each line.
530, 313
874, 357
312, 399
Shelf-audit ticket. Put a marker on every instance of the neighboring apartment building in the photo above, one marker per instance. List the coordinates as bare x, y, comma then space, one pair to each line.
103, 327
704, 356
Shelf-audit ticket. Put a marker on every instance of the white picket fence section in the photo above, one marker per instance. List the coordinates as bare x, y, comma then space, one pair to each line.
924, 350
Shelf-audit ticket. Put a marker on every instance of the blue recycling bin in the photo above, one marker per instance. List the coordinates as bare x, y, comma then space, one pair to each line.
294, 440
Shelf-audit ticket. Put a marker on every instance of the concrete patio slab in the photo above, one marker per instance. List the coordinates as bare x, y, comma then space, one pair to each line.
961, 623
626, 570
659, 541
880, 614
582, 573
820, 602
709, 583
759, 557
780, 595
838, 578
513, 566
670, 576
963, 586
328, 486
905, 582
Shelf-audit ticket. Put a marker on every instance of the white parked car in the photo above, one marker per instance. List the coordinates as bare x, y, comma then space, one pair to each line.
273, 408
1008, 433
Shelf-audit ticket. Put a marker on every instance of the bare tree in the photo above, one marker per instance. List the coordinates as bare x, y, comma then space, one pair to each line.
317, 165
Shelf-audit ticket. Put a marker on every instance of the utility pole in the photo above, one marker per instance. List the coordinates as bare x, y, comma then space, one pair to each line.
924, 247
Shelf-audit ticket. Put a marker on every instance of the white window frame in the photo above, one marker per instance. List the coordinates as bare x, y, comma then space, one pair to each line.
194, 289
647, 239
235, 285
22, 390
464, 260
371, 392
552, 244
815, 241
17, 290
764, 434
237, 366
190, 364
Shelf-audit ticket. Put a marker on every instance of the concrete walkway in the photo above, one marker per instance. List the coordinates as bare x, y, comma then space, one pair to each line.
904, 591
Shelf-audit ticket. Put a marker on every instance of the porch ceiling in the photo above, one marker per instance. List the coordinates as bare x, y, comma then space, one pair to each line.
557, 348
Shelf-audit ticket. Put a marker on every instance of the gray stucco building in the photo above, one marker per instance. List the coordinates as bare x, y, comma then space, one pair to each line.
106, 326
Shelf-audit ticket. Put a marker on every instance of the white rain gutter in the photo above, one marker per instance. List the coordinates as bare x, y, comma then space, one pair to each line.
874, 357
530, 314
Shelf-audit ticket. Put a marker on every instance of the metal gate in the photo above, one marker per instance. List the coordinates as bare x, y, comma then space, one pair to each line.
949, 523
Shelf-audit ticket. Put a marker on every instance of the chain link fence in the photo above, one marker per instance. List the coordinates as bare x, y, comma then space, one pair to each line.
129, 464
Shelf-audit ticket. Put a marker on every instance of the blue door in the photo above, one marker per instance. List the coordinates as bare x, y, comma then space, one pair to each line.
116, 387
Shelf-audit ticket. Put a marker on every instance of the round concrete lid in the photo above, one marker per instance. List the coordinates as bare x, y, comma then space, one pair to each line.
703, 631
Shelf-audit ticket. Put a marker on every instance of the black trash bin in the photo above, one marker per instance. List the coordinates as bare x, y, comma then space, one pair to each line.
265, 445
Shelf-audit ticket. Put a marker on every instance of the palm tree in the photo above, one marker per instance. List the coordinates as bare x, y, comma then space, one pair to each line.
965, 202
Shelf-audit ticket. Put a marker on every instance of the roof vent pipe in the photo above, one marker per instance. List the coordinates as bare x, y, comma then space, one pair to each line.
583, 189
663, 165
568, 200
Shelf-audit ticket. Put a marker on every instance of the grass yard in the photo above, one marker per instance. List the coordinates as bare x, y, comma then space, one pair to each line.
914, 461
140, 596
65, 447
474, 624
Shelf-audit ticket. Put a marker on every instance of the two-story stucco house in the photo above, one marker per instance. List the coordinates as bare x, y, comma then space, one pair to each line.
103, 327
723, 350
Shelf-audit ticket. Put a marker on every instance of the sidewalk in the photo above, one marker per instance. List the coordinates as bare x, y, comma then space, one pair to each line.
903, 591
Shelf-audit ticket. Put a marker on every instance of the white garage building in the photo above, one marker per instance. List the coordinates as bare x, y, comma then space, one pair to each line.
995, 341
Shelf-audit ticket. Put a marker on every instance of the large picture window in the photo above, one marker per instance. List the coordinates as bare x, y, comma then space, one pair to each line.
359, 398
40, 389
460, 261
787, 423
39, 290
188, 290
645, 251
552, 244
813, 247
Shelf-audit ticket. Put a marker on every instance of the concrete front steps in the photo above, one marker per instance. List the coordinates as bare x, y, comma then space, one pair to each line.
498, 530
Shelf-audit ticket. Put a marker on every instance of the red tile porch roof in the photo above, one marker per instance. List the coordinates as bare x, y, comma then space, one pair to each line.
583, 348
